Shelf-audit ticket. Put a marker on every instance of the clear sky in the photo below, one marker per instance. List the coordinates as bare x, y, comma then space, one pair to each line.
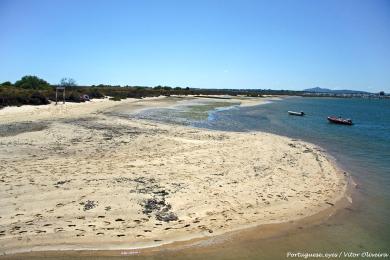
337, 44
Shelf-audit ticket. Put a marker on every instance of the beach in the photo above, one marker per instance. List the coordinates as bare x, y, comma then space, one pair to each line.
86, 177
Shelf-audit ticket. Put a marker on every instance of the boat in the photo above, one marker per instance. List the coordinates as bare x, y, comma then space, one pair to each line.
296, 113
340, 120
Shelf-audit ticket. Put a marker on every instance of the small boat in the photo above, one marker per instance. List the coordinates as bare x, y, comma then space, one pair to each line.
296, 113
340, 120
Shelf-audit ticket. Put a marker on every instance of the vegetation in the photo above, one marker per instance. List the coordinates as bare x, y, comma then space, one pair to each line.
67, 82
6, 84
13, 96
32, 90
32, 82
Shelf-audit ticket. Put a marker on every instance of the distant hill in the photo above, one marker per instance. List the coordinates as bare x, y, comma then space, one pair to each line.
318, 90
326, 90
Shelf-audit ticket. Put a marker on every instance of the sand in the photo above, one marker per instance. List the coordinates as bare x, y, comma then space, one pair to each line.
78, 176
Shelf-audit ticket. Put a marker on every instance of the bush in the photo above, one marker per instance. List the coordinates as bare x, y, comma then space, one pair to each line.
38, 99
74, 97
94, 93
12, 96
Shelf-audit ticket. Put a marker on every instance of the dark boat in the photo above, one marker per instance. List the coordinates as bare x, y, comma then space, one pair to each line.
339, 120
296, 113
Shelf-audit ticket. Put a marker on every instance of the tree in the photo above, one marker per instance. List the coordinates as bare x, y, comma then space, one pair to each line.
67, 82
382, 93
32, 82
6, 84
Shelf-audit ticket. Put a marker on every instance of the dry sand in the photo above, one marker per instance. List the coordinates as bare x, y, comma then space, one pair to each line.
76, 176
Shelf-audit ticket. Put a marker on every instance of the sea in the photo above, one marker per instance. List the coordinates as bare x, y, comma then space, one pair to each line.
363, 150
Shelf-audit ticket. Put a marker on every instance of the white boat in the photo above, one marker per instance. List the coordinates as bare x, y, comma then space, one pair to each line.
296, 113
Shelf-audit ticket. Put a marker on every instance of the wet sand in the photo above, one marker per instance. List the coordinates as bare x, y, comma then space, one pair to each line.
77, 177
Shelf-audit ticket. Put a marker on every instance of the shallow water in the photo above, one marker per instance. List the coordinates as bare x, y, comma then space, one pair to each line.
362, 149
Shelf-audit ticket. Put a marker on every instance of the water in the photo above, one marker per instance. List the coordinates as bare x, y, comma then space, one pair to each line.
362, 149
365, 144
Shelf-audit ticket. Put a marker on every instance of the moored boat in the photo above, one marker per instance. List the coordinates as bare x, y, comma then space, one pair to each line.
296, 113
340, 120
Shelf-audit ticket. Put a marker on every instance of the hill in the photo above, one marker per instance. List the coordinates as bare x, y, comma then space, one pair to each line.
326, 90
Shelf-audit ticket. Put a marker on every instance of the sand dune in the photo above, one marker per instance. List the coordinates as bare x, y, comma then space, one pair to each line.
76, 177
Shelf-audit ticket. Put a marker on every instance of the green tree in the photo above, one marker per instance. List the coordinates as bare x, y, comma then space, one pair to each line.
32, 82
6, 84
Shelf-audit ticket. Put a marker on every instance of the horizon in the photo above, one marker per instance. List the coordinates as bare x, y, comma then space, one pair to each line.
205, 44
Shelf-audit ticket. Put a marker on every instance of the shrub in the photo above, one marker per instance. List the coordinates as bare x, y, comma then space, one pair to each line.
73, 97
38, 99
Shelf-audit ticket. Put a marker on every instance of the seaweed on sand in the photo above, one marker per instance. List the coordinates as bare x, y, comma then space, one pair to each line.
160, 208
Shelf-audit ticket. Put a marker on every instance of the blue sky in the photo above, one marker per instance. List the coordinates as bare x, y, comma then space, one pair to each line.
298, 44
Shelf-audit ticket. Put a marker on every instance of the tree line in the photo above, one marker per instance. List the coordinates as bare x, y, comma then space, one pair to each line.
32, 90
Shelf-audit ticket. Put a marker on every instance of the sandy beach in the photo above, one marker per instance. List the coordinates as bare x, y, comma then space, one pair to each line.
83, 177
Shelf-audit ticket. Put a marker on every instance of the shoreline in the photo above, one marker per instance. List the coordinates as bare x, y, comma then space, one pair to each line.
202, 134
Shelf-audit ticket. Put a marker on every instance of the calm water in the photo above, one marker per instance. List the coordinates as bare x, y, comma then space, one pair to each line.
362, 149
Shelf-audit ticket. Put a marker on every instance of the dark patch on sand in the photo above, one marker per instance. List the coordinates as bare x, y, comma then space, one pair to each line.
160, 208
22, 127
89, 204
